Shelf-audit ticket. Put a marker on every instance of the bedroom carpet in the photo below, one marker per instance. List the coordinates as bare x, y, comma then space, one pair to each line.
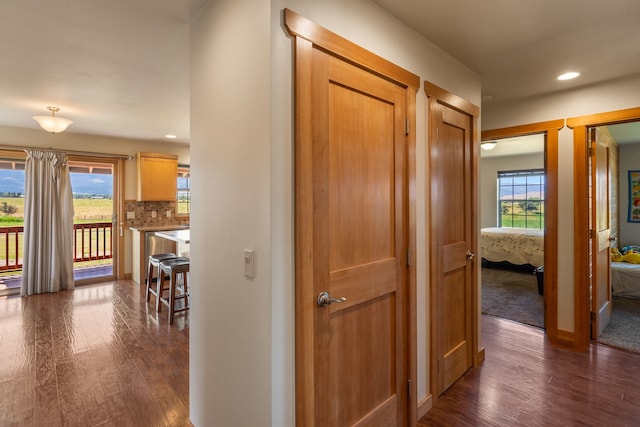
623, 330
512, 295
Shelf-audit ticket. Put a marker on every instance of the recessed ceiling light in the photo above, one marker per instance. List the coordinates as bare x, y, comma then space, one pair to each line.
568, 76
170, 136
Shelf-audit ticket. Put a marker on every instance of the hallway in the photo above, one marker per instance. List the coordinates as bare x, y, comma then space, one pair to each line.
524, 381
97, 356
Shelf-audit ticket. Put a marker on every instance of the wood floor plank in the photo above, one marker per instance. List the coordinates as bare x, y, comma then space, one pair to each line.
525, 381
99, 356
95, 356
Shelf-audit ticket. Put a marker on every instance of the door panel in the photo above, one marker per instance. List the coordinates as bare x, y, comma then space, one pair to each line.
352, 220
360, 188
98, 259
357, 240
601, 288
451, 206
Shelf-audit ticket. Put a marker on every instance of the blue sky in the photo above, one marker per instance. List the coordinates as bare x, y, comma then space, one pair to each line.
81, 183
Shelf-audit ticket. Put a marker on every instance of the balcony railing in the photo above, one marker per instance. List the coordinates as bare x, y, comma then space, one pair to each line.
91, 241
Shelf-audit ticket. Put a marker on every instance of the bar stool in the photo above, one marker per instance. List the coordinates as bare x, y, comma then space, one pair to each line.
154, 263
175, 268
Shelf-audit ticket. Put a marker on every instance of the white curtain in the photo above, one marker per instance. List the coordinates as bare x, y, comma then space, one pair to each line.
48, 224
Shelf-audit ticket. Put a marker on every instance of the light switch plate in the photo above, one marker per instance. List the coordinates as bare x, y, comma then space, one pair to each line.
131, 215
168, 213
248, 264
153, 214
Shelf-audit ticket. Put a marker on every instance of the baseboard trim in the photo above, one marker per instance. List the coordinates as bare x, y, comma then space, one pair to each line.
480, 356
566, 339
424, 406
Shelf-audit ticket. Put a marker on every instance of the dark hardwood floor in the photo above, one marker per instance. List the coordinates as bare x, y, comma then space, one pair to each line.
95, 356
524, 381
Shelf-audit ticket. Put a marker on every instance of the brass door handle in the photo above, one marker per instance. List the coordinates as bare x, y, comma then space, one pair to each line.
470, 255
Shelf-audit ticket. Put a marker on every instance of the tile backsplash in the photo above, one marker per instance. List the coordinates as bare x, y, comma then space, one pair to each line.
143, 212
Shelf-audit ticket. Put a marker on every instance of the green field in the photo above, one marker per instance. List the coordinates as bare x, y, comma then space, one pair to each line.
85, 210
514, 215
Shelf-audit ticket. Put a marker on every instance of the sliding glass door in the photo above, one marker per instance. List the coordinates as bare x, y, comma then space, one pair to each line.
96, 203
97, 199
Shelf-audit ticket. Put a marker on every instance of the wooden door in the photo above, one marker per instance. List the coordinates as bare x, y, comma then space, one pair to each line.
452, 243
601, 283
351, 242
359, 192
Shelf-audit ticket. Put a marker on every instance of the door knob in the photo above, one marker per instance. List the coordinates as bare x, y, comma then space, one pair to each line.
613, 239
325, 299
470, 255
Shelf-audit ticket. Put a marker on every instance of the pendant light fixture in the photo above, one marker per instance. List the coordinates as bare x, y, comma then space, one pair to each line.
52, 123
488, 145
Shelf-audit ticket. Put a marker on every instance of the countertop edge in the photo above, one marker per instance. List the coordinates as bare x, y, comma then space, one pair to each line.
159, 228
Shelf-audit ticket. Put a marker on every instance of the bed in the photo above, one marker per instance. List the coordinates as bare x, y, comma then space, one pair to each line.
519, 246
625, 279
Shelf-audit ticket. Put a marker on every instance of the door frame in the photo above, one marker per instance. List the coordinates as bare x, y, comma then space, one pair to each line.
549, 130
306, 33
580, 125
438, 95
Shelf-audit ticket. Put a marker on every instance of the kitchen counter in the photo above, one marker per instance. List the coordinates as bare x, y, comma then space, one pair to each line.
179, 236
145, 228
142, 237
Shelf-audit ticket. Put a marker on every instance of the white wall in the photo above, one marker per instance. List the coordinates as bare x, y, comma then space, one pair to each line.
230, 321
489, 178
610, 96
629, 160
242, 332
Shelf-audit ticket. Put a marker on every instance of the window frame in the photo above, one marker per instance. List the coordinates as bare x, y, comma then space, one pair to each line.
184, 171
541, 201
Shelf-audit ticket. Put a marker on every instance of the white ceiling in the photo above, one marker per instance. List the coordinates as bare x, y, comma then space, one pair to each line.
121, 67
623, 134
115, 67
516, 146
520, 47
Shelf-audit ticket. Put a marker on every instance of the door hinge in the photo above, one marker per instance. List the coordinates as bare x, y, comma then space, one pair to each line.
591, 234
408, 257
593, 316
409, 389
407, 126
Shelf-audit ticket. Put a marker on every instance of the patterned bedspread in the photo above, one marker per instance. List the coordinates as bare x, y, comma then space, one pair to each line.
515, 245
625, 279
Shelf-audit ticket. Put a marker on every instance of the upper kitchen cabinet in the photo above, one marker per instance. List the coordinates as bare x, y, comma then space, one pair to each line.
157, 177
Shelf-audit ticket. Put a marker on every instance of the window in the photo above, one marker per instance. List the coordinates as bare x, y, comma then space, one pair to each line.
184, 190
521, 198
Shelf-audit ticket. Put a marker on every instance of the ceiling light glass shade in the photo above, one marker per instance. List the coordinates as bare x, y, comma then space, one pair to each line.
52, 123
488, 145
568, 76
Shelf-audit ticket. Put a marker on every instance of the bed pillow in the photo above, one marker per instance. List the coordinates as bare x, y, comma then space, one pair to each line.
631, 248
616, 256
631, 257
